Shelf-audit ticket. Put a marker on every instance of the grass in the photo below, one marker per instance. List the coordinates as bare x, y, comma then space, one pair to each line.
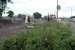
48, 36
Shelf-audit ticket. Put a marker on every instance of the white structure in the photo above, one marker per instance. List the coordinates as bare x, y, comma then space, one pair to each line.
26, 19
59, 20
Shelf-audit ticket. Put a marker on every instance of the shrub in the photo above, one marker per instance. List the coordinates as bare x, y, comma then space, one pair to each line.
9, 44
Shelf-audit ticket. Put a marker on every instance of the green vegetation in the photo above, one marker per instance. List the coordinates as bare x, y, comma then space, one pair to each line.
48, 36
3, 5
10, 14
72, 17
37, 15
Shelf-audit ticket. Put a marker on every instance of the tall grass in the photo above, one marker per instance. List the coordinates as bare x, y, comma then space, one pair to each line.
48, 36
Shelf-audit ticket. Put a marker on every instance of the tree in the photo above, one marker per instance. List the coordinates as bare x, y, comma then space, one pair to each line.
19, 15
46, 17
37, 15
1, 13
3, 4
58, 7
72, 17
10, 14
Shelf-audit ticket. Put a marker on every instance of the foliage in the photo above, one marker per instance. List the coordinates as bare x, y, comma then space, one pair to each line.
37, 15
46, 17
3, 5
1, 10
58, 7
72, 42
10, 14
8, 44
48, 36
21, 15
72, 17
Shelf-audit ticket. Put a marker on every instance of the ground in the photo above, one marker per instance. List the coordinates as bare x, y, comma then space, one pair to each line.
11, 30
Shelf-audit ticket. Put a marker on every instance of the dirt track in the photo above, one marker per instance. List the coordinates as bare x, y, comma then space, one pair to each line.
11, 30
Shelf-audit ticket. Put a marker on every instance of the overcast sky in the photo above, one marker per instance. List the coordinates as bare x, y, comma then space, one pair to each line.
43, 6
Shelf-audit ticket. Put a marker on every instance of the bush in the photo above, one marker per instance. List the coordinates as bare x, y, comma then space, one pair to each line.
9, 44
49, 36
72, 43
